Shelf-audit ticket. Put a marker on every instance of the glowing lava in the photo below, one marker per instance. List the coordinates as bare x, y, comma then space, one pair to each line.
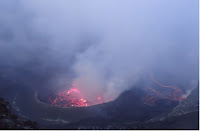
100, 99
71, 98
170, 93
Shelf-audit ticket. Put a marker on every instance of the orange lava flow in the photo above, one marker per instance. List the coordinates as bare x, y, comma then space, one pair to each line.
174, 94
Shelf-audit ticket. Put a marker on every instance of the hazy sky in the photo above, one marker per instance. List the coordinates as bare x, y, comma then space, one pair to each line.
107, 45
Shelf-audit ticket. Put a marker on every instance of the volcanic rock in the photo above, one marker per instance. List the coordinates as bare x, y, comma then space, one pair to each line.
11, 121
188, 105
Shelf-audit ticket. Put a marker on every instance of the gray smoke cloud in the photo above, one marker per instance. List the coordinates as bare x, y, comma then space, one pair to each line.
105, 46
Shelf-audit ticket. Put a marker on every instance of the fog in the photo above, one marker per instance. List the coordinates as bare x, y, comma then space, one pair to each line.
103, 47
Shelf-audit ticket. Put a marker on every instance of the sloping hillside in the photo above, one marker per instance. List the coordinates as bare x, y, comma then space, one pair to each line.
188, 105
11, 121
183, 116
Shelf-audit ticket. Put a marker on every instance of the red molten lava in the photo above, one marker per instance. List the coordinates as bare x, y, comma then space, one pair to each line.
71, 98
170, 93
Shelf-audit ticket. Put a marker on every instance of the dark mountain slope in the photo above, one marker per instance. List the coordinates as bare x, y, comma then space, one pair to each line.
186, 121
128, 108
183, 116
128, 112
11, 121
188, 105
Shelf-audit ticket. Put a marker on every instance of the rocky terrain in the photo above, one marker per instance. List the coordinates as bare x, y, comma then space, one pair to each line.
11, 121
126, 112
188, 105
183, 116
